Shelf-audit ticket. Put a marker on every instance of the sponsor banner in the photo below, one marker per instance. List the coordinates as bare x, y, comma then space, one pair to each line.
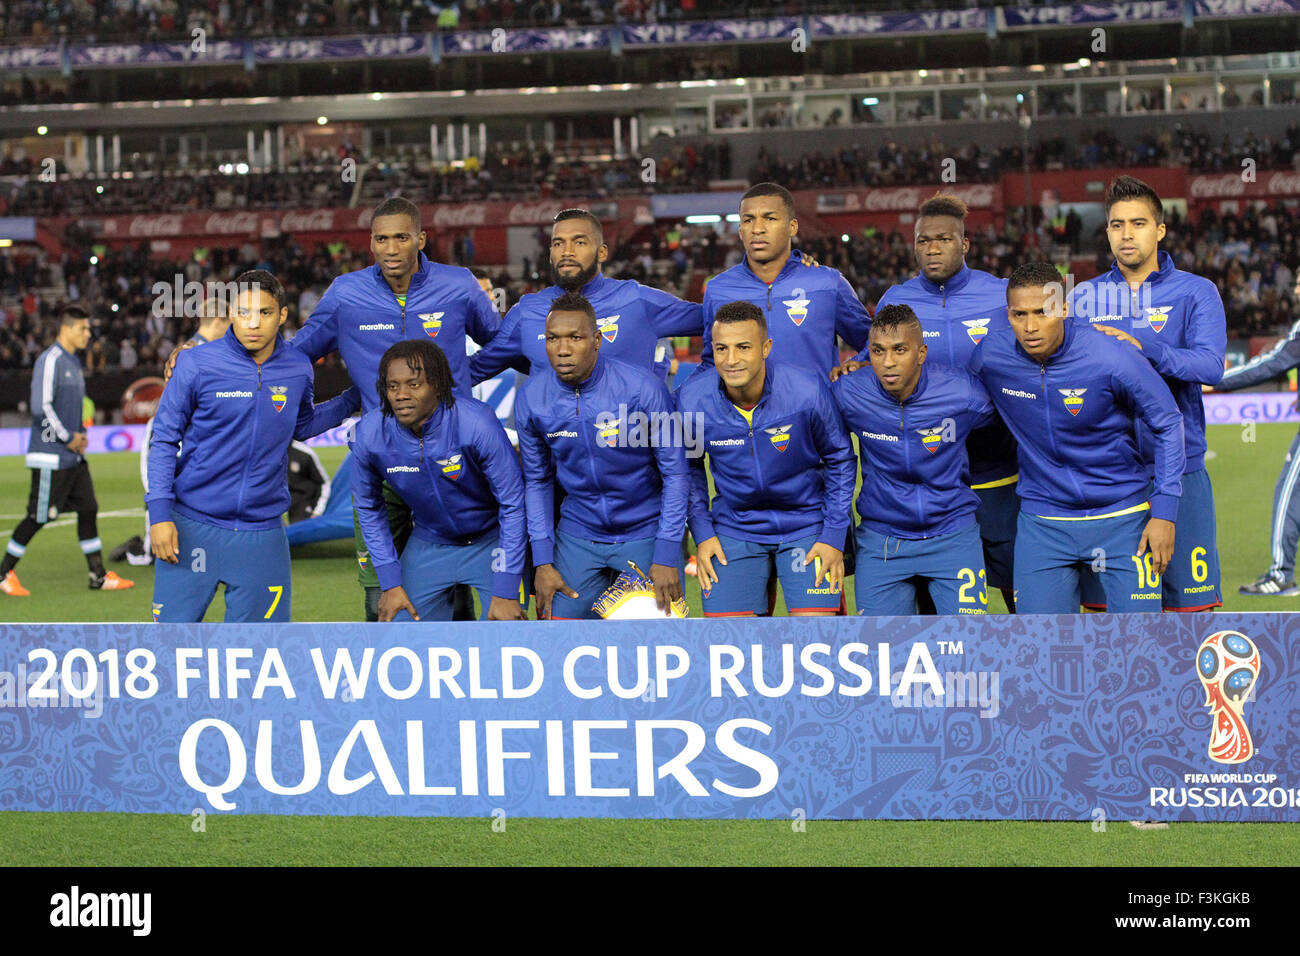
1237, 408
1079, 717
341, 48
1079, 14
102, 438
1211, 9
714, 31
151, 54
903, 198
18, 227
37, 57
240, 225
856, 25
525, 41
1231, 186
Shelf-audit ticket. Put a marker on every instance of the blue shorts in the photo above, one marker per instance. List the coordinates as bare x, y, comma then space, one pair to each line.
1054, 559
742, 585
892, 570
997, 515
253, 565
1191, 582
590, 567
430, 573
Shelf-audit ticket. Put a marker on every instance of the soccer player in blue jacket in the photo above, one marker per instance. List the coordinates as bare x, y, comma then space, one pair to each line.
402, 296
56, 456
1279, 579
630, 317
218, 463
913, 418
594, 427
1176, 319
957, 307
1073, 398
806, 307
782, 469
449, 459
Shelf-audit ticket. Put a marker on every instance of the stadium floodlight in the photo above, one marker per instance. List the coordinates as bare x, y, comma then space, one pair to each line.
733, 217
844, 237
322, 120
42, 130
702, 220
870, 101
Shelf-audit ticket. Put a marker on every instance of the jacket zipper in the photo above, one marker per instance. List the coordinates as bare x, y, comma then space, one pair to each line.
252, 443
591, 455
907, 460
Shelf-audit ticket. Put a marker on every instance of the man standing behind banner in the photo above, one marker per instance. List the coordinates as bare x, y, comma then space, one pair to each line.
630, 317
957, 307
1073, 398
912, 419
402, 296
806, 307
450, 460
218, 464
624, 501
783, 471
1178, 323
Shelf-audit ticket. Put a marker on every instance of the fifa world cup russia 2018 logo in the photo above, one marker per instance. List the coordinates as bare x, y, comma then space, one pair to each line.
1228, 666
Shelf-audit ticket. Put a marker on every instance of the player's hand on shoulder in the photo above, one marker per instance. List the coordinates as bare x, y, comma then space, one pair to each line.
1120, 334
809, 261
170, 365
847, 367
705, 553
831, 567
668, 586
548, 580
504, 609
163, 539
394, 600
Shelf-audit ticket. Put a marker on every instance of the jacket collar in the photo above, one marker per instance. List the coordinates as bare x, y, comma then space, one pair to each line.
237, 347
594, 287
767, 385
1164, 269
794, 262
591, 381
954, 284
418, 278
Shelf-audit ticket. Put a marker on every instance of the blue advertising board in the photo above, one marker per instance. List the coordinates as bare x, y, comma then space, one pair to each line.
1186, 717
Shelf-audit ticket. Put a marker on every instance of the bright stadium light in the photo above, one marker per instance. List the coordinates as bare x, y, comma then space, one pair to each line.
702, 220
870, 101
114, 306
376, 96
242, 169
923, 73
1084, 62
844, 237
99, 189
42, 130
322, 120
94, 260
733, 217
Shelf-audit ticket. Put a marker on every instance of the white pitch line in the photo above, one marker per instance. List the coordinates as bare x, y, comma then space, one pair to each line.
61, 521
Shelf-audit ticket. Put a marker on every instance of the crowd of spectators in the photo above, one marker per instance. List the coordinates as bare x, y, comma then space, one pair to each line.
893, 165
169, 19
1253, 259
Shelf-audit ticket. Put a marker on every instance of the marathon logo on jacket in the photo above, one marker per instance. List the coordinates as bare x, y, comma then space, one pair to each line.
278, 397
977, 328
1073, 398
780, 436
415, 469
931, 438
607, 433
432, 323
1105, 318
1158, 316
878, 436
797, 308
562, 434
377, 327
1017, 393
234, 394
451, 466
608, 327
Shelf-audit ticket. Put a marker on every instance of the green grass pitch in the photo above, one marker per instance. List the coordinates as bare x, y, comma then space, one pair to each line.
1244, 469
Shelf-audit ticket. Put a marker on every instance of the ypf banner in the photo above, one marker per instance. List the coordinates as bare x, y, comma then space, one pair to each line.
1189, 717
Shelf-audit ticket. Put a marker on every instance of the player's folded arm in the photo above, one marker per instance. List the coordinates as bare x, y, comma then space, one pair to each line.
501, 466
1208, 337
670, 315
1150, 397
503, 350
314, 418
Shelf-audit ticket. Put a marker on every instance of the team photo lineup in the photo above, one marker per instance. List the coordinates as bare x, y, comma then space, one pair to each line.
1010, 434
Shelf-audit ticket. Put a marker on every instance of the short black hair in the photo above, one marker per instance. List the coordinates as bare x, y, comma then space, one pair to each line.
398, 206
419, 355
265, 282
944, 204
897, 318
73, 313
1033, 274
771, 189
1124, 188
565, 214
735, 312
480, 274
575, 302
